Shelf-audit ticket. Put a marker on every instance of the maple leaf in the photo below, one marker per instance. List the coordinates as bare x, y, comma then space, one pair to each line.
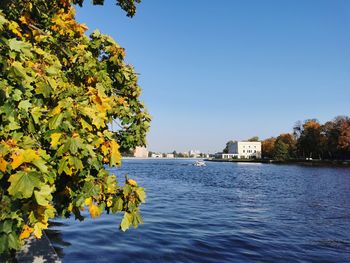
115, 154
38, 229
23, 156
55, 137
23, 184
132, 182
94, 211
26, 231
3, 165
88, 201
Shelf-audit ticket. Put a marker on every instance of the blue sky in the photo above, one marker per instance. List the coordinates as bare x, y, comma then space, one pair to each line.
212, 71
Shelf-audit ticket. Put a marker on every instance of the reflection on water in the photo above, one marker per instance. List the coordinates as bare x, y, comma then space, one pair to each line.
224, 212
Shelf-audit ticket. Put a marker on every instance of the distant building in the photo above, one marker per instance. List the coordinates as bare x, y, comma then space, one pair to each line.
194, 153
184, 154
157, 155
141, 152
245, 150
225, 155
170, 155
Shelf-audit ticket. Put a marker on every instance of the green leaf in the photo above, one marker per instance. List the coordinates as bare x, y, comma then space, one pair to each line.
141, 194
118, 205
41, 165
24, 105
77, 163
126, 222
18, 70
73, 146
23, 184
3, 20
126, 190
55, 121
36, 114
3, 243
17, 95
20, 46
62, 165
6, 226
43, 196
90, 189
13, 241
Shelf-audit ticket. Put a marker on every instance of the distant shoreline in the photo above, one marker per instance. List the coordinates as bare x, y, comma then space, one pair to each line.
162, 158
327, 163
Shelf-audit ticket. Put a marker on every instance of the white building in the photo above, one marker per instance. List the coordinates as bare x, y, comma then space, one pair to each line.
157, 155
140, 152
170, 155
245, 150
194, 153
225, 155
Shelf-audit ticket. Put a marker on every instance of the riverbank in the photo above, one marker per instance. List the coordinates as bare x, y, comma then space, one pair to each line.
345, 163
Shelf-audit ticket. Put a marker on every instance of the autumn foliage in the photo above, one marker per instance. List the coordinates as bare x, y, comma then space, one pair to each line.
312, 139
59, 91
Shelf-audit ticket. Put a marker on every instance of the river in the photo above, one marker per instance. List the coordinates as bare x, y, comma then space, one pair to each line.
224, 212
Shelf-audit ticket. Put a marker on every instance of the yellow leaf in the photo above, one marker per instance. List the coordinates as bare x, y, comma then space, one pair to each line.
70, 207
30, 155
55, 137
56, 110
109, 202
115, 154
17, 159
104, 149
38, 229
121, 100
26, 232
13, 26
3, 165
20, 156
99, 141
85, 125
94, 211
24, 19
132, 182
88, 201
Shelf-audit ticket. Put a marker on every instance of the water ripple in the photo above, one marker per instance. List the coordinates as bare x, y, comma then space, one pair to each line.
221, 213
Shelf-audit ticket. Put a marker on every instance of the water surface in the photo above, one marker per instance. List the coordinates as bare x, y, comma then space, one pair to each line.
224, 212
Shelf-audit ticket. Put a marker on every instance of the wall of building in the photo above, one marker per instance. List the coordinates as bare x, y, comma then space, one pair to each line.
141, 152
246, 149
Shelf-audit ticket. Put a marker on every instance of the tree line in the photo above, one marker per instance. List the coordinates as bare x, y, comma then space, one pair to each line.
311, 139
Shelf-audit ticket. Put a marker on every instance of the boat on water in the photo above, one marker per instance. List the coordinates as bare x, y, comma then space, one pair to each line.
200, 163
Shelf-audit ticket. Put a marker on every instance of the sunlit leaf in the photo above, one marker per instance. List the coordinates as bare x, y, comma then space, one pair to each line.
23, 184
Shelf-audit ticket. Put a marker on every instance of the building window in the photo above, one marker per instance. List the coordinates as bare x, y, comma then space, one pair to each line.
244, 151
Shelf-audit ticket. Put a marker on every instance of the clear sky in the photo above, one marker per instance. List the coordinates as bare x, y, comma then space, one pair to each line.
212, 71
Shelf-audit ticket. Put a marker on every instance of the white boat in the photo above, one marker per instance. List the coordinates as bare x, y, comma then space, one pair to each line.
199, 163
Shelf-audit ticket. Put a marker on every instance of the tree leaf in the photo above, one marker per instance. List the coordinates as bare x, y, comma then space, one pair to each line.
13, 241
55, 137
94, 211
26, 231
24, 105
43, 196
23, 184
118, 205
126, 222
115, 154
3, 164
141, 194
3, 243
6, 226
